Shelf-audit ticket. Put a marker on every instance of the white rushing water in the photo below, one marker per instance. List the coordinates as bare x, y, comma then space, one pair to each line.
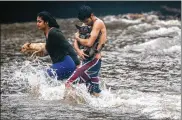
140, 75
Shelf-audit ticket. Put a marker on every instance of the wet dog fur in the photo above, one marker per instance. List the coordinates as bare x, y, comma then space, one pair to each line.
32, 48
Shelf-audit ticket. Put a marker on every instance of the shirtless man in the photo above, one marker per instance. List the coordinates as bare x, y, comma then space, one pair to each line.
89, 70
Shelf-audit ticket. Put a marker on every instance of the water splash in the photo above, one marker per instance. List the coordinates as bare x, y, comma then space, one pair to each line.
33, 76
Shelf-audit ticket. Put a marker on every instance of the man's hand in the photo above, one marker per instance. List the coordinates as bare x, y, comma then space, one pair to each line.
82, 54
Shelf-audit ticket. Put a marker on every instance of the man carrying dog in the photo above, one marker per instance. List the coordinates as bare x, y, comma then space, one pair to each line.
89, 70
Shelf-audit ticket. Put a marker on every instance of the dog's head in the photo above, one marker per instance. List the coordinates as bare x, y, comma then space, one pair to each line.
25, 47
84, 31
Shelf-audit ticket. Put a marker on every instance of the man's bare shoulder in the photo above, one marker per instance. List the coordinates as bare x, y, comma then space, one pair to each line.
99, 22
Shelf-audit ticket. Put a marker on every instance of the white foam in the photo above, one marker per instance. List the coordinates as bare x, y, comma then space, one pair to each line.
52, 93
110, 18
168, 23
162, 31
172, 49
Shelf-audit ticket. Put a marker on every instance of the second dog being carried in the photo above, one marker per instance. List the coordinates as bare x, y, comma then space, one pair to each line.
84, 33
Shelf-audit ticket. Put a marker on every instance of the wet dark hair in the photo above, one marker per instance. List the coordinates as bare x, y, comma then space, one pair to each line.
47, 17
84, 12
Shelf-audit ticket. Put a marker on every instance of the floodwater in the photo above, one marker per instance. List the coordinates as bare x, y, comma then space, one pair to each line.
140, 74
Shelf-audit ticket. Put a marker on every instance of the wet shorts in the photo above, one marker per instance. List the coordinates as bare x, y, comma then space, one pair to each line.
62, 69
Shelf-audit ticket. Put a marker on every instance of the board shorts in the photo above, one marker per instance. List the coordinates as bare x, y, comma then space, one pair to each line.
88, 73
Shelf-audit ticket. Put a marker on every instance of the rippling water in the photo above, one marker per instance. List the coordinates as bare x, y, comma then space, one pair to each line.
140, 75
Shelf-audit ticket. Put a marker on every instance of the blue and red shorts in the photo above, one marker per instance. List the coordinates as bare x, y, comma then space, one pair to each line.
88, 74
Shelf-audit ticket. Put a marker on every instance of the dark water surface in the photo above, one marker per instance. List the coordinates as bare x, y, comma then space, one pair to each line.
24, 11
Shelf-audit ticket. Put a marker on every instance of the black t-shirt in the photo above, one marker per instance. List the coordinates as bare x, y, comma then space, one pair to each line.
58, 47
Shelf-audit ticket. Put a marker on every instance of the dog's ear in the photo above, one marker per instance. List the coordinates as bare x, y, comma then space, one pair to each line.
28, 45
78, 27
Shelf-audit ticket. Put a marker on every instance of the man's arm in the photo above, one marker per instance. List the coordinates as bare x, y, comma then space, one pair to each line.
103, 38
75, 45
78, 50
93, 35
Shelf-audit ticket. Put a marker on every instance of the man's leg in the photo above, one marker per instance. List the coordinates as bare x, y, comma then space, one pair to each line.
93, 83
80, 72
